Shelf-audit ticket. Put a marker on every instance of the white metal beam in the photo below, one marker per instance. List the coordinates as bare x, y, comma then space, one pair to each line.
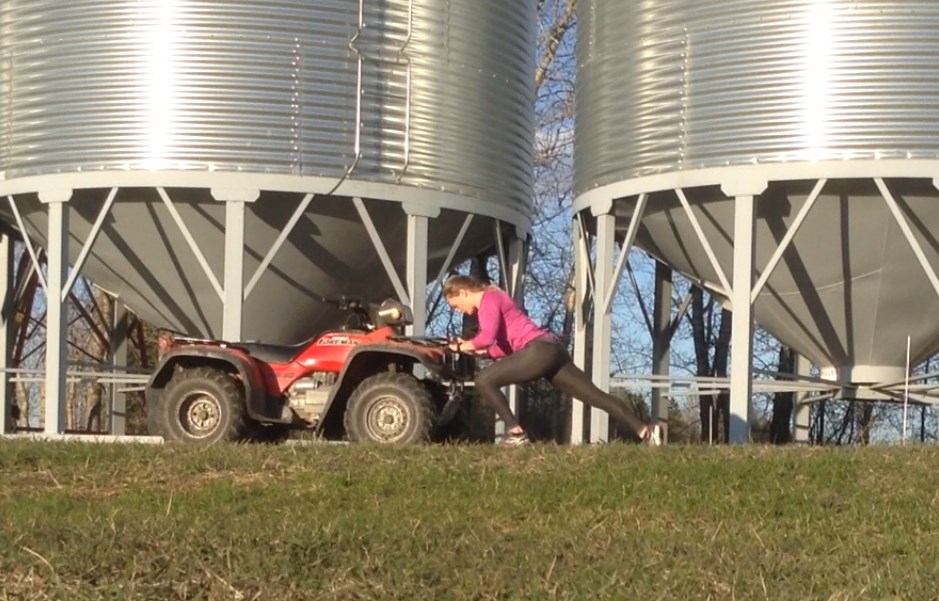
502, 255
56, 350
787, 239
382, 251
602, 323
581, 270
33, 256
8, 303
704, 242
801, 410
278, 243
518, 254
741, 346
625, 248
908, 233
417, 272
584, 240
86, 247
453, 250
192, 242
233, 301
661, 338
118, 357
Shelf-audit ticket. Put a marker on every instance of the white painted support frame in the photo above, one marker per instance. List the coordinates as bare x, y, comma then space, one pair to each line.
741, 345
454, 248
709, 251
802, 410
8, 304
416, 276
191, 241
236, 201
581, 298
661, 330
602, 323
278, 243
400, 290
34, 257
602, 279
118, 356
57, 265
908, 233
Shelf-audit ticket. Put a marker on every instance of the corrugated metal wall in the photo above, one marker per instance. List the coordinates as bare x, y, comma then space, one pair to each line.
270, 87
669, 85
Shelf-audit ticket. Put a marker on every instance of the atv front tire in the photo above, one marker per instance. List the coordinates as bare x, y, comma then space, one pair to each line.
390, 408
202, 405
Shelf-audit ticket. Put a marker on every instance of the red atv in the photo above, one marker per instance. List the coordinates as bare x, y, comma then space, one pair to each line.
363, 382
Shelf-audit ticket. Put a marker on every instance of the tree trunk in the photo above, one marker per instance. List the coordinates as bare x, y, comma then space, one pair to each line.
721, 356
865, 422
707, 406
780, 431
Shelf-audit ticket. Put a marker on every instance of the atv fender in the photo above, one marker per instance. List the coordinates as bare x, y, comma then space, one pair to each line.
365, 361
259, 406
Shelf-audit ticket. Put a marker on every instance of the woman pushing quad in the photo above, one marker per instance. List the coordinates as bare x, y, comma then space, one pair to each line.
524, 352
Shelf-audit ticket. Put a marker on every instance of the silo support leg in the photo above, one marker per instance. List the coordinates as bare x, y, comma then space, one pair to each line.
234, 270
741, 358
802, 409
417, 272
233, 291
518, 253
56, 350
7, 424
518, 258
602, 322
581, 298
661, 324
118, 353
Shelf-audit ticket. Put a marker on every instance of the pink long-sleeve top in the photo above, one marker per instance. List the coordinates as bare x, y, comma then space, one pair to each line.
503, 326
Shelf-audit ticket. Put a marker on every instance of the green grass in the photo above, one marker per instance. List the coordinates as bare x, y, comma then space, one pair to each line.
467, 522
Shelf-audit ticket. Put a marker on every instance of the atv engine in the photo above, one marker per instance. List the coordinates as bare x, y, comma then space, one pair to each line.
308, 396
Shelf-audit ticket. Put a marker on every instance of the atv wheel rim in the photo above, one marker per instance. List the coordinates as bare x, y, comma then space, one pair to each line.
200, 414
388, 419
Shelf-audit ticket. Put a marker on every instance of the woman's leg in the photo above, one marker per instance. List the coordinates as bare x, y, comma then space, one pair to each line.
575, 382
536, 360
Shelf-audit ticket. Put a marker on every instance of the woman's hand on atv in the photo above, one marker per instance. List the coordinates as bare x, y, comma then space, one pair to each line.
460, 345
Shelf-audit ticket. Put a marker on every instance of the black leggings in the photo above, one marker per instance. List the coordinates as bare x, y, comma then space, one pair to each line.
544, 358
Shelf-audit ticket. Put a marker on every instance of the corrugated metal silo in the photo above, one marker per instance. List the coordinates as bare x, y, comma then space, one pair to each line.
424, 105
825, 111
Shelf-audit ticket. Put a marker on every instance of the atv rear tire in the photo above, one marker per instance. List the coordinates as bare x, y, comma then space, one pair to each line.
202, 405
390, 408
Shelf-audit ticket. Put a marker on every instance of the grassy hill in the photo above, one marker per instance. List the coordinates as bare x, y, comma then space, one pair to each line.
467, 522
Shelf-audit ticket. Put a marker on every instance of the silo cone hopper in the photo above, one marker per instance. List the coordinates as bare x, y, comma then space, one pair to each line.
843, 268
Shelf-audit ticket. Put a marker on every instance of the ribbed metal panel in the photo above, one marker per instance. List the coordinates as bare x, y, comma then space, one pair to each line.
271, 87
675, 85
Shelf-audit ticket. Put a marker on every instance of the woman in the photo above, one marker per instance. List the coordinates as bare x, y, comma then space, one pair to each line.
523, 353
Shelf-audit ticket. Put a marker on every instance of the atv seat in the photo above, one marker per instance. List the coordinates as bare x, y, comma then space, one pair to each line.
272, 353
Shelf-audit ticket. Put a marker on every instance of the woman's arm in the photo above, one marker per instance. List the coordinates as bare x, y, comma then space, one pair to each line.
489, 317
466, 346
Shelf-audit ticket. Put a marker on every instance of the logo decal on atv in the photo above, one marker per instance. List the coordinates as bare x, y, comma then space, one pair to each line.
337, 341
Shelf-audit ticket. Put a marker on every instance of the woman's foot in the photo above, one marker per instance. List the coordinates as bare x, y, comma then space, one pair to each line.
516, 437
652, 435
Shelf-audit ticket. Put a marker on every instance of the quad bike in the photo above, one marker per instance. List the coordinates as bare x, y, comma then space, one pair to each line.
365, 382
